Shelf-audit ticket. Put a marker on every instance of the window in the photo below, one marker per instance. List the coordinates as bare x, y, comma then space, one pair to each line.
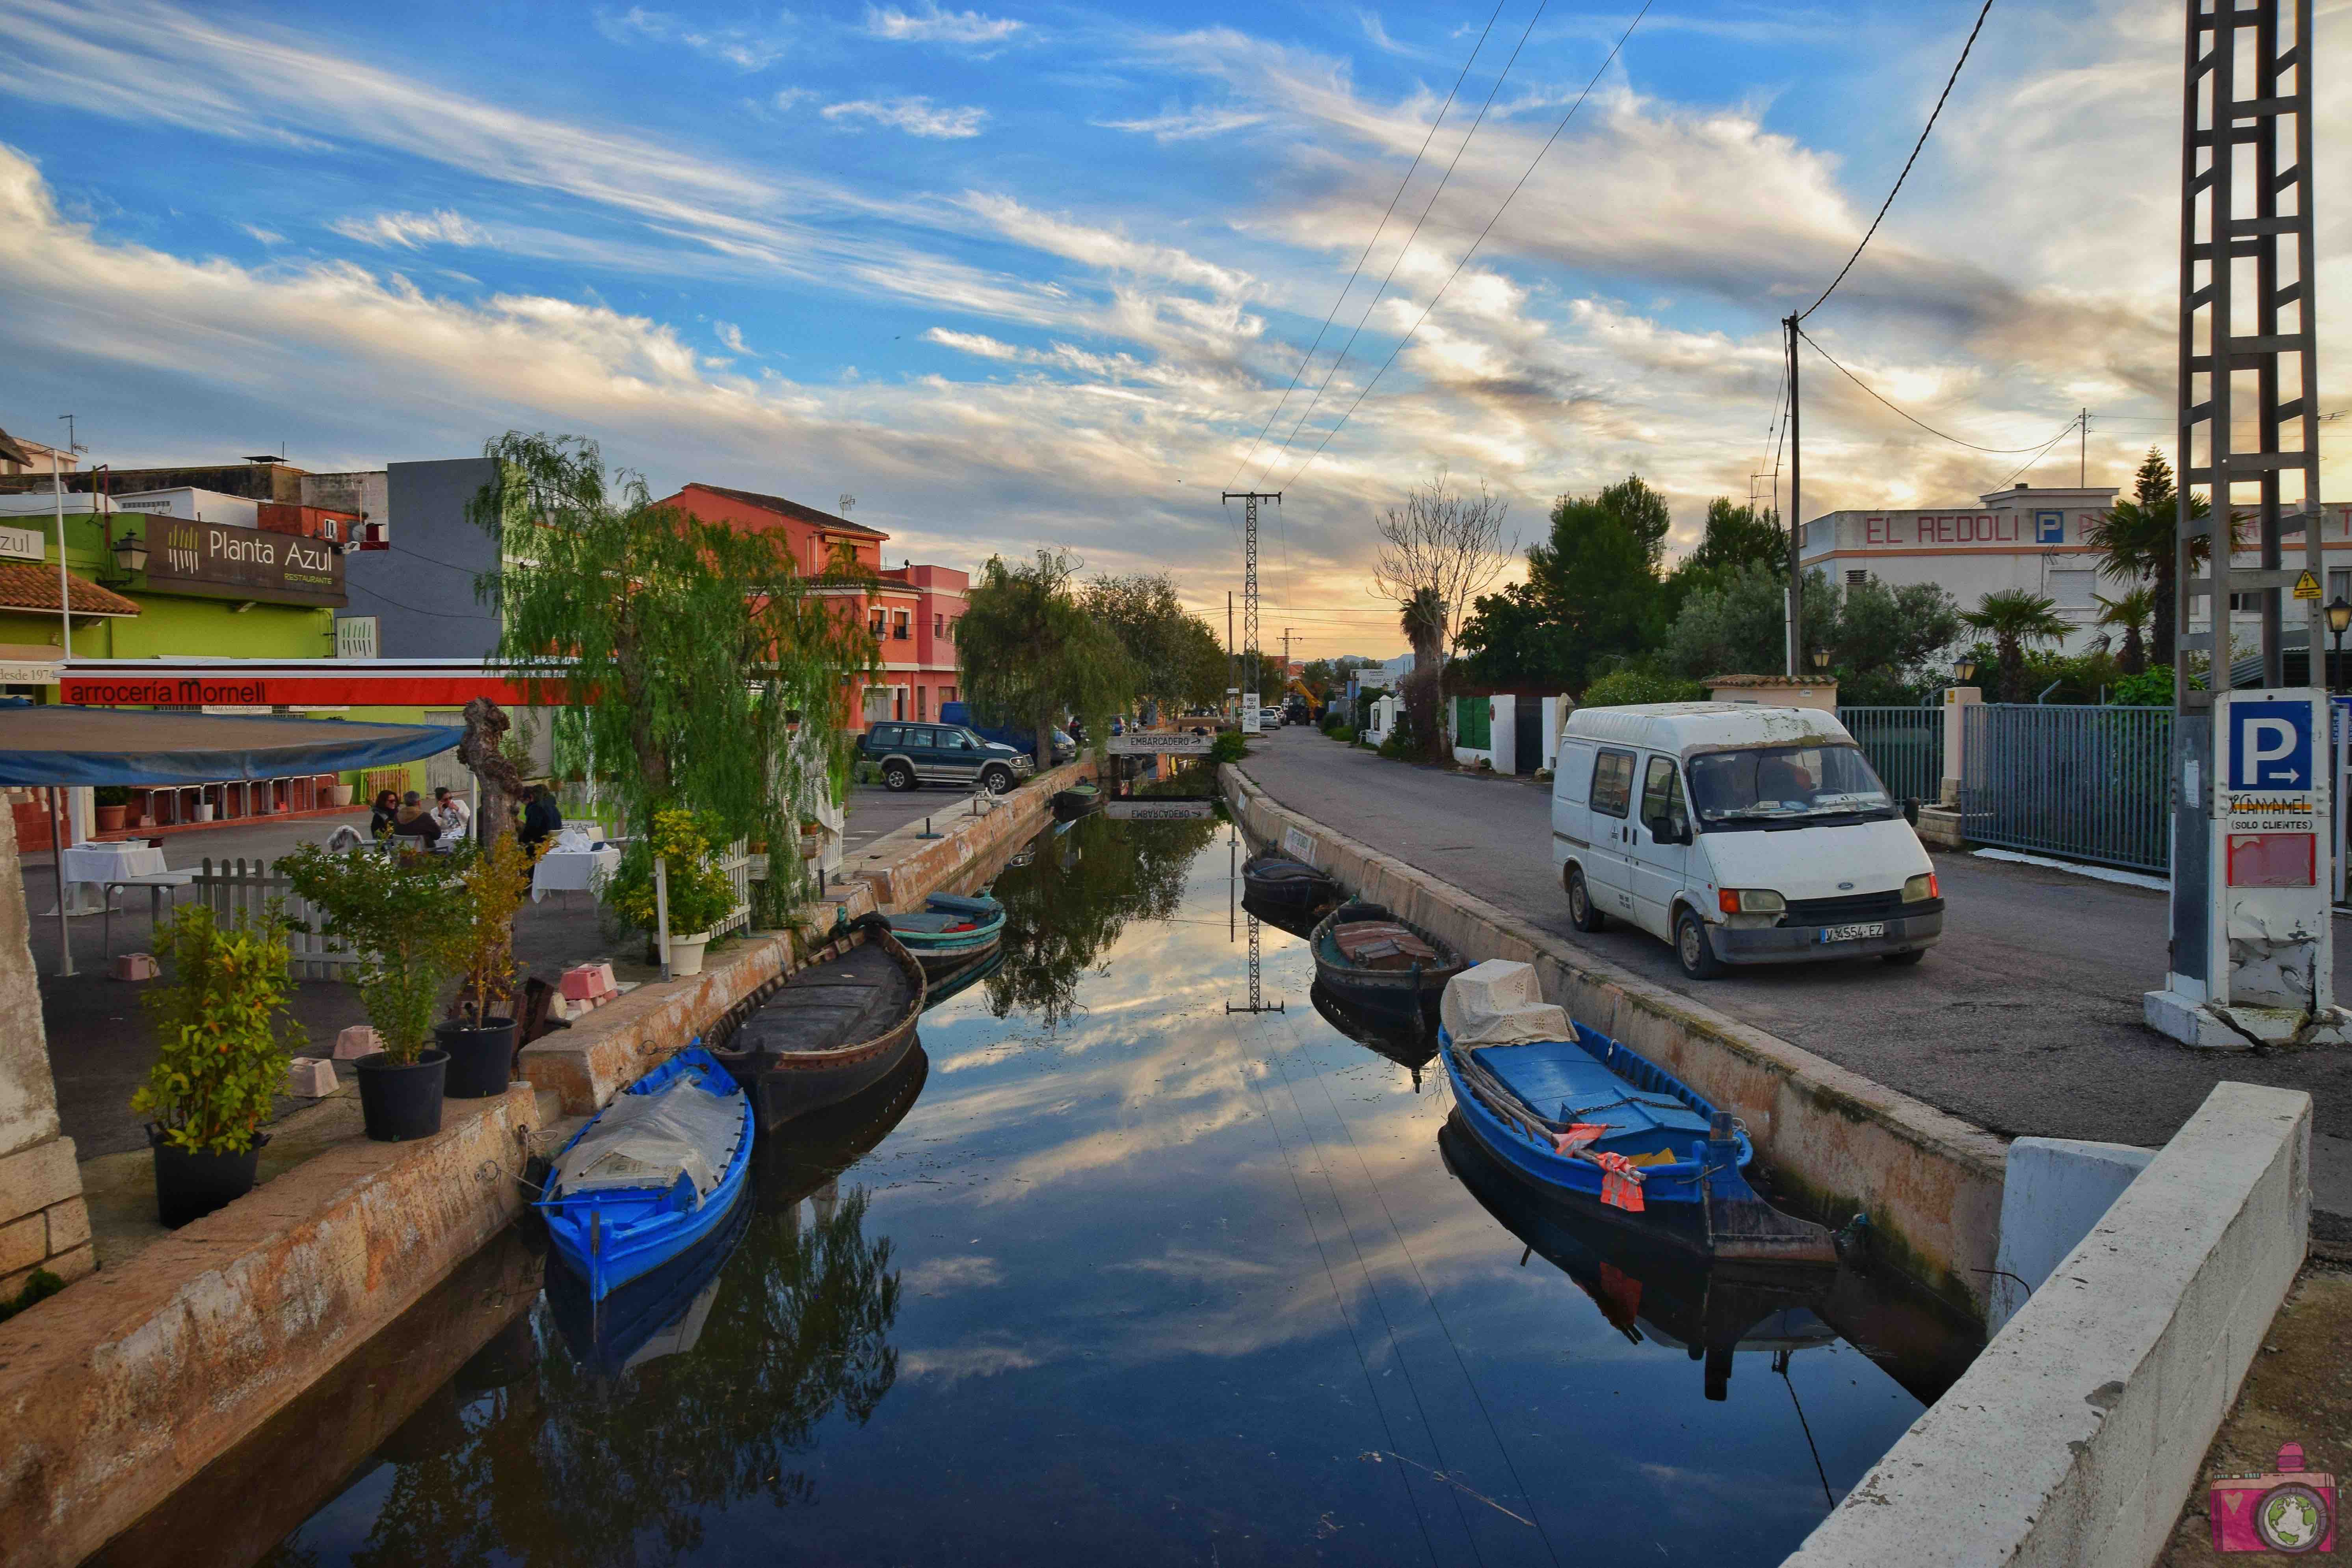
886, 735
1855, 577
898, 627
922, 701
939, 625
1758, 785
1612, 782
2073, 589
2246, 604
1662, 797
2339, 584
874, 623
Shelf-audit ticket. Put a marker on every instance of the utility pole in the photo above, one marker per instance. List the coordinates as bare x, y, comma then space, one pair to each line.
1286, 658
65, 604
1795, 519
2082, 449
1233, 671
1251, 701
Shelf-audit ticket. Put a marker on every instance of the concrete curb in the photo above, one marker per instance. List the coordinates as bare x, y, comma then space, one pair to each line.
2075, 1436
1930, 1183
118, 1392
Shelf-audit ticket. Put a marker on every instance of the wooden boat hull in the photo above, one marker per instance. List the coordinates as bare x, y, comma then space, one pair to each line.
1285, 883
603, 1335
1395, 996
821, 1146
943, 953
939, 963
1069, 805
792, 1082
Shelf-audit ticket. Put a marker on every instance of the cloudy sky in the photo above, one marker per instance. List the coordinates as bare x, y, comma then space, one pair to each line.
1046, 275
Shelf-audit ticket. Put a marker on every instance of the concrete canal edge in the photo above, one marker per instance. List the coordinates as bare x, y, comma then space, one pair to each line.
1930, 1183
122, 1389
2075, 1436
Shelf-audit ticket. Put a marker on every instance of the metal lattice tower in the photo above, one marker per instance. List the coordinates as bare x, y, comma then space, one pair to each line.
1258, 1002
2247, 261
1249, 499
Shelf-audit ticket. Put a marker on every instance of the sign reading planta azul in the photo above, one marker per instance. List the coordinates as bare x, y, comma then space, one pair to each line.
212, 560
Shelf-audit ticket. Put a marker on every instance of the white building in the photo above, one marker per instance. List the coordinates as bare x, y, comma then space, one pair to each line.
2030, 539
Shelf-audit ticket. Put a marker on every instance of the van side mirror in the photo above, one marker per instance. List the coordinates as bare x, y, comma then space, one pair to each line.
1911, 811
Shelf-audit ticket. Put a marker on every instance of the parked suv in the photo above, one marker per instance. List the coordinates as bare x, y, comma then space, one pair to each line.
910, 754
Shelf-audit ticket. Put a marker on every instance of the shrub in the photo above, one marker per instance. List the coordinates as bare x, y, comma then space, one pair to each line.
700, 893
223, 1031
2151, 688
405, 915
1399, 746
496, 882
1228, 747
39, 1285
111, 795
1342, 733
1627, 687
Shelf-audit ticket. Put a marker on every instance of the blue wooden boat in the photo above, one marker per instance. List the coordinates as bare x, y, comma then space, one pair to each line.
608, 1337
1571, 1115
950, 931
652, 1174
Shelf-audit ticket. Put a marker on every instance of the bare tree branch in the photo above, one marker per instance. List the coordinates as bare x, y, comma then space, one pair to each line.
1442, 545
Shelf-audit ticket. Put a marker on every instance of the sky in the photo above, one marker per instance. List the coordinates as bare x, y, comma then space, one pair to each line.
1045, 276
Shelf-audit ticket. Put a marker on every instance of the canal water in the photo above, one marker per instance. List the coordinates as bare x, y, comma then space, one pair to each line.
1112, 1270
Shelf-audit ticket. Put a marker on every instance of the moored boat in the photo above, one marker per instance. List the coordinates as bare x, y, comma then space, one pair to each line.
829, 1029
1410, 1044
1570, 1111
1378, 962
1280, 880
657, 1313
1071, 803
651, 1174
950, 931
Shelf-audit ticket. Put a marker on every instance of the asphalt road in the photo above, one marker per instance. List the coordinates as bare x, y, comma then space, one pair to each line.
2025, 1018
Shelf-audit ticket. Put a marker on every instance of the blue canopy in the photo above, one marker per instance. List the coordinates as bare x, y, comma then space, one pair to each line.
70, 745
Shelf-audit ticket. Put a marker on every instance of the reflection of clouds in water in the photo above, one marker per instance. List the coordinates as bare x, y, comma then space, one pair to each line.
937, 1275
956, 1363
1189, 1265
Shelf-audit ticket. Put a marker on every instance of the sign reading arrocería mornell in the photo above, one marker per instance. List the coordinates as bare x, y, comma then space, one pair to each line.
212, 560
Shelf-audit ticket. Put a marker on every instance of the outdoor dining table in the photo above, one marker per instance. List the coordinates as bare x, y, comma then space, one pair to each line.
581, 870
93, 866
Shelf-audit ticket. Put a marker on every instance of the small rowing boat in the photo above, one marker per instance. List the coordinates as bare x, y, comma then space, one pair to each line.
950, 931
1292, 884
827, 1030
651, 1174
1572, 1112
1071, 803
1379, 962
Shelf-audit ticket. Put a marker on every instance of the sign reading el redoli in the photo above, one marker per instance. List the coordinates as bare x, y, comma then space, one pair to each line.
212, 560
1954, 528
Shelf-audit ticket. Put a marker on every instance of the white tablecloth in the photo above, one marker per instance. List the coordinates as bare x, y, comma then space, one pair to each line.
89, 866
571, 872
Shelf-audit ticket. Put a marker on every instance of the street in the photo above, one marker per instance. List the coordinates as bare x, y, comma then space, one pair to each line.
2025, 1019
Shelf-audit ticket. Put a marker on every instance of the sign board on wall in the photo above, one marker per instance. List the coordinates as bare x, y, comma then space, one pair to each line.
355, 637
1161, 743
23, 545
214, 561
2272, 937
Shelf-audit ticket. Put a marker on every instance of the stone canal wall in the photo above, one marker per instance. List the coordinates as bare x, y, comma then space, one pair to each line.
1930, 1183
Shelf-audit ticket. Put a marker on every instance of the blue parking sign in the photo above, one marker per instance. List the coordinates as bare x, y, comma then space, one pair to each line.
2270, 746
2049, 527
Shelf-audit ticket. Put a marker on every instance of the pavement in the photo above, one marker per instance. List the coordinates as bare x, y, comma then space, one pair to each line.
2025, 1019
100, 1045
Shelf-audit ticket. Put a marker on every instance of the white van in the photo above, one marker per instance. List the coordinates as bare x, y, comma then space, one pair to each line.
1740, 834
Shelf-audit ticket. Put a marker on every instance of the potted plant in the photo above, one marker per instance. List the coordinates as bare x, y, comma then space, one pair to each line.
113, 807
404, 916
224, 1034
479, 1034
700, 893
333, 792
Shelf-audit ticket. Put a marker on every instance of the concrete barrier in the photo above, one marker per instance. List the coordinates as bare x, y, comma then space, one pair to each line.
2056, 1190
904, 869
2075, 1436
116, 1393
1929, 1182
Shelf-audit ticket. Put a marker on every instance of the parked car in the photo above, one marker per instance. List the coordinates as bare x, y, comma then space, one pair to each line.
1740, 834
1269, 717
909, 754
1065, 746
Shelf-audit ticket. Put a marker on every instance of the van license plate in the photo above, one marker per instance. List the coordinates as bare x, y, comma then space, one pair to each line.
1854, 933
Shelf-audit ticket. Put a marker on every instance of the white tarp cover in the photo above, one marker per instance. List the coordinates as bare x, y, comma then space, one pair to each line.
1497, 1003
648, 1139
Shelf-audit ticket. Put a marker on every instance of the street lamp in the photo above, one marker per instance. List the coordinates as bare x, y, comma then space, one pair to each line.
130, 552
1821, 660
2339, 618
1964, 671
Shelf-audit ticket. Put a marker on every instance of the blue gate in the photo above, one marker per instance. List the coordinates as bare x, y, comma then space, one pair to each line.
2088, 784
1905, 748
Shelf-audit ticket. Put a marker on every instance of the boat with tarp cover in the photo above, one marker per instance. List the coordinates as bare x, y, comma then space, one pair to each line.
1570, 1111
651, 1174
950, 930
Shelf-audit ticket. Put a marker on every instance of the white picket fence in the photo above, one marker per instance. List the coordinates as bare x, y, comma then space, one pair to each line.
244, 890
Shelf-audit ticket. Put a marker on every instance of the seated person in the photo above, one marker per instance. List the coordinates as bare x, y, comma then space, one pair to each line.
385, 812
455, 816
415, 825
540, 818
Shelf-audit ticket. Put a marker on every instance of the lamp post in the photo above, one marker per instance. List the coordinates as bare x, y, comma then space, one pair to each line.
1964, 671
1820, 661
2339, 618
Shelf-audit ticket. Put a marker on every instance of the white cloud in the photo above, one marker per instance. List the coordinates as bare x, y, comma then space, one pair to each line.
266, 235
731, 334
1189, 124
412, 231
932, 25
938, 1276
914, 116
747, 48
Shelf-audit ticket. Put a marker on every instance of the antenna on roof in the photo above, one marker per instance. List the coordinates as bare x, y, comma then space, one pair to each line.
849, 503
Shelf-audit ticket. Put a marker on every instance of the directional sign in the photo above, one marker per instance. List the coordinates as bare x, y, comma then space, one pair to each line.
1168, 809
1160, 743
2307, 586
2271, 745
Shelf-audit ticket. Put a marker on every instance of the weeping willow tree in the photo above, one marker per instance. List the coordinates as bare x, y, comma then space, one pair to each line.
1030, 654
688, 665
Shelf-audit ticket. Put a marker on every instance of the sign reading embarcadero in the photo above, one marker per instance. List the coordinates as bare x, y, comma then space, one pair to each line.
212, 560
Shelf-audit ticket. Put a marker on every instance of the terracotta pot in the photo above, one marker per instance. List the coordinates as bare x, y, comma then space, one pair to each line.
113, 818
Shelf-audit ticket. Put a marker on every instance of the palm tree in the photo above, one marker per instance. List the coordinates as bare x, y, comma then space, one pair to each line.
2128, 614
1423, 620
2016, 618
2137, 538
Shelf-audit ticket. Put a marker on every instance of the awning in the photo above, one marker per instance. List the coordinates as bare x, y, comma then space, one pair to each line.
68, 745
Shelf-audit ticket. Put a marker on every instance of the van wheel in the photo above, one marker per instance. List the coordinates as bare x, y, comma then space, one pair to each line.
996, 781
897, 776
1581, 912
1905, 960
1692, 951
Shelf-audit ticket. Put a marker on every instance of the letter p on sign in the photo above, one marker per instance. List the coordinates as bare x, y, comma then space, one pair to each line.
2271, 745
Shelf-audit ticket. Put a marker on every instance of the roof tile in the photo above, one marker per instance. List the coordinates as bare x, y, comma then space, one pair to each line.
29, 586
792, 509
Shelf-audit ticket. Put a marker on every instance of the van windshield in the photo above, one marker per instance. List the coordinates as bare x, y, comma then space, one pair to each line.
1771, 784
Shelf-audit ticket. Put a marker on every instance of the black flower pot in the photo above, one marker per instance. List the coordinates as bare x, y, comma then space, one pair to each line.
189, 1186
481, 1060
399, 1103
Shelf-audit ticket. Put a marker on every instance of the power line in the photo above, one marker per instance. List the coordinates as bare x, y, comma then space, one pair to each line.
2038, 456
1474, 244
1308, 357
1906, 165
1407, 247
1955, 440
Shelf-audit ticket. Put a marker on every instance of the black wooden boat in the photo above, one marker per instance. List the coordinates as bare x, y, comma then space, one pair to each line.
1071, 803
1410, 1044
1380, 963
1299, 922
956, 982
826, 1031
822, 1145
1281, 880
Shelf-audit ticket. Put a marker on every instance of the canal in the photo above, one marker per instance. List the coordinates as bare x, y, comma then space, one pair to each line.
1109, 1270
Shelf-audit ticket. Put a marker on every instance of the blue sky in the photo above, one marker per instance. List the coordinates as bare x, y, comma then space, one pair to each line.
1026, 275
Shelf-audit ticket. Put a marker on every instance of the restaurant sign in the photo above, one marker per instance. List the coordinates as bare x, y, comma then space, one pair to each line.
215, 560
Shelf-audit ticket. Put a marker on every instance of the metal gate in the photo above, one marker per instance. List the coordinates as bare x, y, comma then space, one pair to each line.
1527, 729
2088, 784
1904, 745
